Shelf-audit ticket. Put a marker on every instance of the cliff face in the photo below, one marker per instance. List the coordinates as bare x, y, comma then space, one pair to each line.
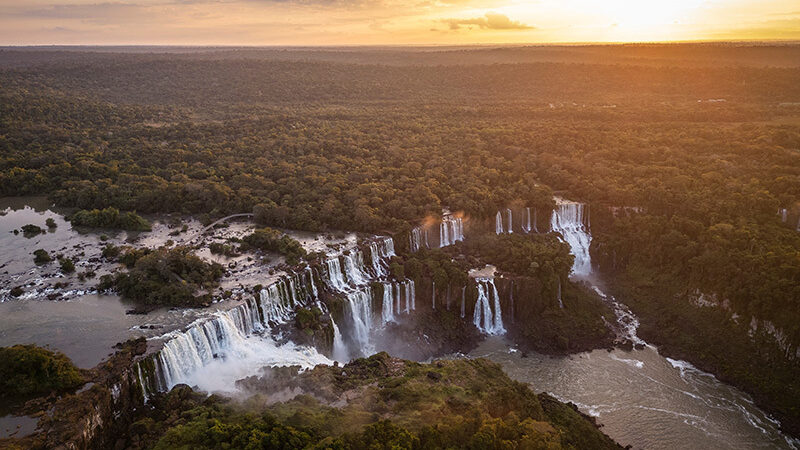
94, 417
535, 320
531, 315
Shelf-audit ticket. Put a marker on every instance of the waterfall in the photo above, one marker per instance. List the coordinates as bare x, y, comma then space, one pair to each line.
535, 221
217, 350
387, 313
339, 348
510, 222
409, 296
335, 274
784, 213
486, 320
463, 298
498, 223
415, 239
380, 252
353, 267
451, 230
560, 303
360, 305
568, 220
526, 227
142, 382
278, 302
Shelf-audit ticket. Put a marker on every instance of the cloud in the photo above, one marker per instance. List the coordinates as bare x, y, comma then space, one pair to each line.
491, 21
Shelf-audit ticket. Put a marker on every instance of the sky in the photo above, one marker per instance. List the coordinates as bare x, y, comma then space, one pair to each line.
391, 22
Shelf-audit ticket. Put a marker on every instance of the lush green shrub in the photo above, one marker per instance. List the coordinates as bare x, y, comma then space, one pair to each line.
31, 230
166, 277
50, 223
110, 218
271, 240
218, 248
41, 256
27, 370
67, 266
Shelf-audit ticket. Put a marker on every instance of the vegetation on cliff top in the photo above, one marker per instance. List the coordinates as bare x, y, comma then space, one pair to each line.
271, 240
109, 218
390, 403
28, 370
165, 276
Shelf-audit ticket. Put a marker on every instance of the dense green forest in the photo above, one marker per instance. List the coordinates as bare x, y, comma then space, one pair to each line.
396, 405
685, 155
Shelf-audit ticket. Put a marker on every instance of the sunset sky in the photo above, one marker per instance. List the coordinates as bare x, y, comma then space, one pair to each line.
346, 22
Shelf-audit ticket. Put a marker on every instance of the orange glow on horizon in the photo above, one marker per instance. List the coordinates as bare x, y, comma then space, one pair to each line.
390, 22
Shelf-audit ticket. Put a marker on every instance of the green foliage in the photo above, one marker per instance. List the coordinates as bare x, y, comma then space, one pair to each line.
435, 264
218, 248
541, 256
271, 240
111, 251
27, 370
392, 404
67, 265
355, 145
166, 277
41, 256
110, 218
31, 230
50, 223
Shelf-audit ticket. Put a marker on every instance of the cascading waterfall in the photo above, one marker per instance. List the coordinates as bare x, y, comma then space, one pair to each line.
784, 213
535, 221
229, 340
484, 318
415, 239
380, 251
510, 222
526, 227
335, 276
339, 348
232, 344
387, 309
393, 293
360, 304
568, 220
498, 223
451, 230
353, 268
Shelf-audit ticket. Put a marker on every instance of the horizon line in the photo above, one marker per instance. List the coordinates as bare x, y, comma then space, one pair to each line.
483, 44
